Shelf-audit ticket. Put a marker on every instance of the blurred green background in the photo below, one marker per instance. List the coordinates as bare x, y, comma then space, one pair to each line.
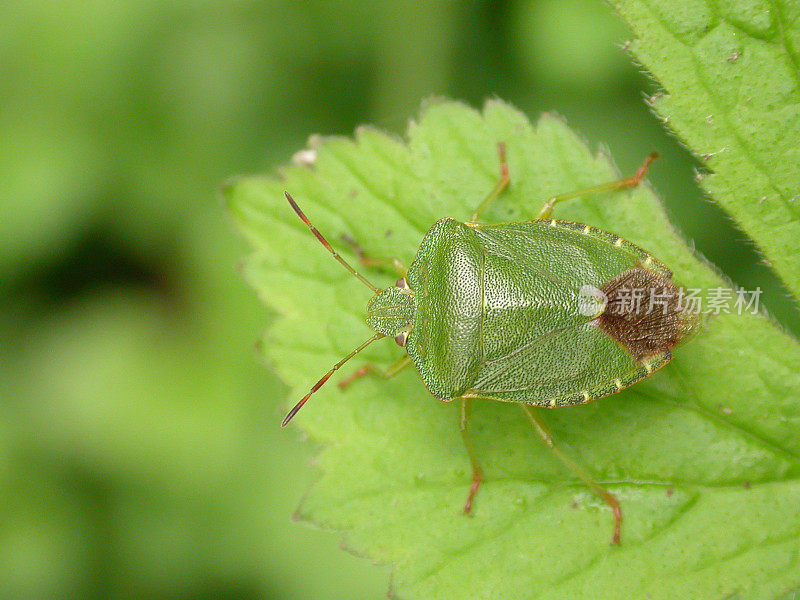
140, 453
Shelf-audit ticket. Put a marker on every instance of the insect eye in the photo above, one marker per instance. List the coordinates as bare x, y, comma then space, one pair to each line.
402, 283
401, 338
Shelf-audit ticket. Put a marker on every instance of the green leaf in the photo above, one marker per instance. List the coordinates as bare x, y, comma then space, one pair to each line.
704, 456
731, 73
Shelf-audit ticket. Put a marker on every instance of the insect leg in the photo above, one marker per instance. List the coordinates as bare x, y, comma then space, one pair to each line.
379, 263
501, 184
546, 437
629, 182
477, 472
368, 368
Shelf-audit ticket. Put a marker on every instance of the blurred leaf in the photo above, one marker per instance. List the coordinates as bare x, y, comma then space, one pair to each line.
703, 455
731, 73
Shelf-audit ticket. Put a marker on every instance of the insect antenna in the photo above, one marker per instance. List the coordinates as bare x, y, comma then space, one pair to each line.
327, 375
325, 243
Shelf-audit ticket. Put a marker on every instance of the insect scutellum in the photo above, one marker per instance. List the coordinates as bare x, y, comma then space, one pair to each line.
389, 311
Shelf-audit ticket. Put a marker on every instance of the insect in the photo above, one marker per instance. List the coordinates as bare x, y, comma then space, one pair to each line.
538, 313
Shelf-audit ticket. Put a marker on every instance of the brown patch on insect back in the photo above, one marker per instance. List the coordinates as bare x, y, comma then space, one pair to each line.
643, 313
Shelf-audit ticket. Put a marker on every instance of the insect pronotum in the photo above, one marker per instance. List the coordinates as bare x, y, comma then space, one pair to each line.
531, 312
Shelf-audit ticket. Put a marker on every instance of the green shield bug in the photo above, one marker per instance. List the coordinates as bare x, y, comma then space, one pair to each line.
543, 313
